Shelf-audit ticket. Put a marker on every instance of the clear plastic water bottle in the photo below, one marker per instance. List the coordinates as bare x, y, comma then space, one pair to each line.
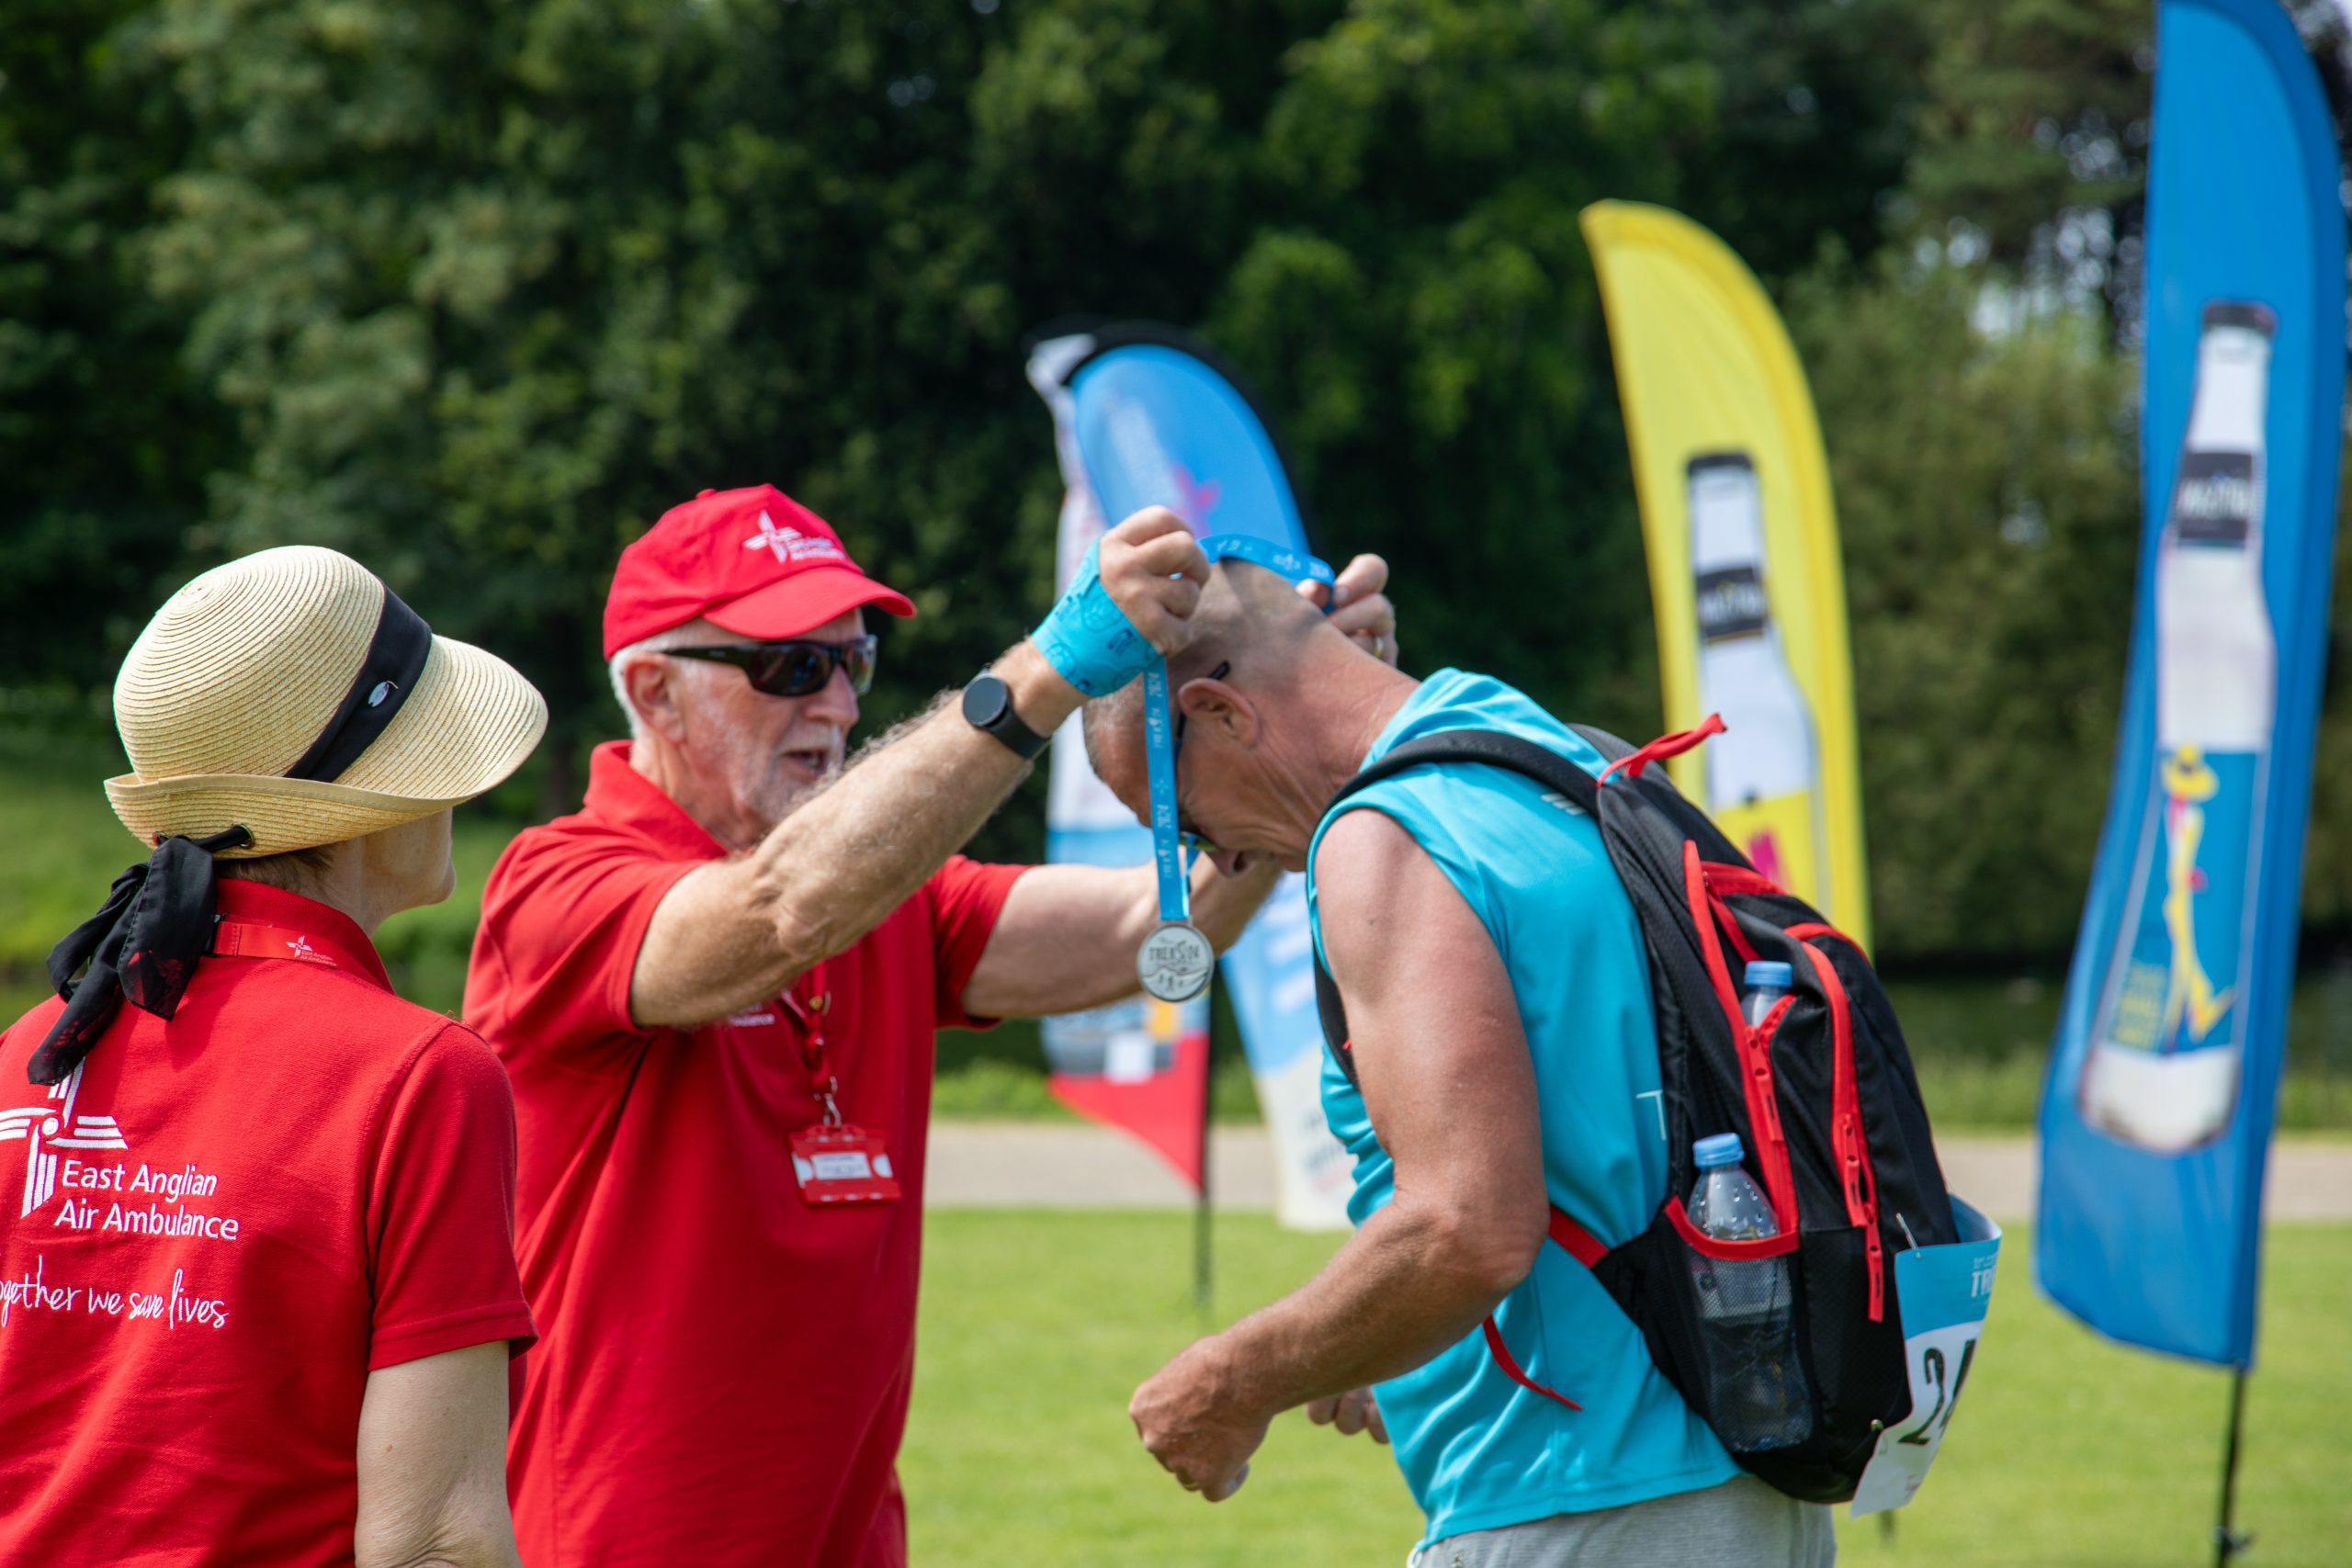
1756, 1395
1767, 982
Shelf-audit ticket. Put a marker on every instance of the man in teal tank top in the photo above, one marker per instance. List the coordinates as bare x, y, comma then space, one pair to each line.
1497, 992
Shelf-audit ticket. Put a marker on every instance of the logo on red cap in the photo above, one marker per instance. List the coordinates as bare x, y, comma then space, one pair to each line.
790, 544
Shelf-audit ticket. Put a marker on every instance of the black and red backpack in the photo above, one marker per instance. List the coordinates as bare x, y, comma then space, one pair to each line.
1821, 1092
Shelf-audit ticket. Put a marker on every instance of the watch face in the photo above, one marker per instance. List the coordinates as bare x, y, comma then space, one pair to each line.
986, 700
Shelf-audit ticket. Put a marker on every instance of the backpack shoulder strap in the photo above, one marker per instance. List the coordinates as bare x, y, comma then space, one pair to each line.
1493, 747
1601, 740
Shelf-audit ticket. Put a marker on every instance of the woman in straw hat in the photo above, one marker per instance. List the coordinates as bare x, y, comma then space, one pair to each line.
257, 1288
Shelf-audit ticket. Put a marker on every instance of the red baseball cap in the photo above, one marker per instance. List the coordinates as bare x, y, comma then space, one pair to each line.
754, 561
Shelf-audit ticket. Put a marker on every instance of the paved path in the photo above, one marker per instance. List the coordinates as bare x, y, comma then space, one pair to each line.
1006, 1165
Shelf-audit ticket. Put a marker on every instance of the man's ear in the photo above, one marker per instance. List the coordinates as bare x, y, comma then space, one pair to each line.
653, 689
1211, 702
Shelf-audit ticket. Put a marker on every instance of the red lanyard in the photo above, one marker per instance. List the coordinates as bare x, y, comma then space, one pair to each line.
249, 939
811, 1015
834, 1162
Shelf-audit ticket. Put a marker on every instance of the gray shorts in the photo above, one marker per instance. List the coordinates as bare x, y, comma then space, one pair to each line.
1741, 1523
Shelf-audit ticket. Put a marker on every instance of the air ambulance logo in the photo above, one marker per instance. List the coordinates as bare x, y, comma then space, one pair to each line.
788, 544
47, 1128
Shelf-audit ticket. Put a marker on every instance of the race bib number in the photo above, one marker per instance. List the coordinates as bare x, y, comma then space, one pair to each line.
1941, 1294
840, 1164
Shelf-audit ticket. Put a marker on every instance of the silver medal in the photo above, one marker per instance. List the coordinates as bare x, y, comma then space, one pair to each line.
1174, 961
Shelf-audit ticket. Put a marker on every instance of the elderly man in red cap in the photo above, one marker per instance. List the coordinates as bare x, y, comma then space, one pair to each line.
716, 988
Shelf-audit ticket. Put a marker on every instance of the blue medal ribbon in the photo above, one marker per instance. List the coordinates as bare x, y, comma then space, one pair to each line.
1168, 856
1296, 565
1168, 850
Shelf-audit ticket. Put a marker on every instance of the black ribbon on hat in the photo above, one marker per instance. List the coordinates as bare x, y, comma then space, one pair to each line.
388, 675
142, 946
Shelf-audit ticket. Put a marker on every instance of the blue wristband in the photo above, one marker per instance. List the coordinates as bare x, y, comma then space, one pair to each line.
1088, 639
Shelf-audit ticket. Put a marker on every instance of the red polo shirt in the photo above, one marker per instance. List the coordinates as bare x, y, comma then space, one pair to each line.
724, 1368
216, 1226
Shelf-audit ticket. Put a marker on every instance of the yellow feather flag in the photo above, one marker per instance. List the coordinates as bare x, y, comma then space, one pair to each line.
1743, 549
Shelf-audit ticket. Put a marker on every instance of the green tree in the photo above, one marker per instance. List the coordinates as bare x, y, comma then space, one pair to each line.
1815, 126
1988, 504
1424, 310
104, 444
485, 289
488, 288
2033, 141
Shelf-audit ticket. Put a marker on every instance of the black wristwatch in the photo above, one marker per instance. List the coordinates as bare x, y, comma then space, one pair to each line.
987, 707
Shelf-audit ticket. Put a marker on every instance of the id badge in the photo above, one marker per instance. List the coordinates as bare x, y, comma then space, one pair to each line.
840, 1164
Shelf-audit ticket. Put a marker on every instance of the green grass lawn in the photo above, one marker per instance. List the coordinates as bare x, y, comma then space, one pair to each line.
2068, 1451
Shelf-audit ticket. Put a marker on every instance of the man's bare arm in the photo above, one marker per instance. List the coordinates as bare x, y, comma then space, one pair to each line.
432, 1464
740, 930
1067, 937
1451, 1091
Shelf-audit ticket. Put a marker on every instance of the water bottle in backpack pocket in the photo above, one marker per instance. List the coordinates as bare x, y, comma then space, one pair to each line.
1756, 1396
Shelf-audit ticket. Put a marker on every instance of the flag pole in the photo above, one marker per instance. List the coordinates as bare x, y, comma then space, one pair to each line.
2227, 1541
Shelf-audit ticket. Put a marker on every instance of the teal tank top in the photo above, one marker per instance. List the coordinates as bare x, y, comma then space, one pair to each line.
1479, 1451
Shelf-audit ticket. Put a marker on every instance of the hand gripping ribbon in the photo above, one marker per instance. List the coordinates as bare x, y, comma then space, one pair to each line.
1175, 960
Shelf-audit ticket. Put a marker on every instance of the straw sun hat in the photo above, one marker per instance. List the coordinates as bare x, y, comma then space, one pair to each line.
293, 693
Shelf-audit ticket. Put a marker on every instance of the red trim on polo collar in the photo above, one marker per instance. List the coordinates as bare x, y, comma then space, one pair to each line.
621, 796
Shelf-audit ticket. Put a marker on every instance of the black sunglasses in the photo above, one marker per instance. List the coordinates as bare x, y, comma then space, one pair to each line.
795, 669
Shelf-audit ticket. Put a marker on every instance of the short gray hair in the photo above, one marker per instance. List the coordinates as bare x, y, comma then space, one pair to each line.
1119, 713
617, 668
